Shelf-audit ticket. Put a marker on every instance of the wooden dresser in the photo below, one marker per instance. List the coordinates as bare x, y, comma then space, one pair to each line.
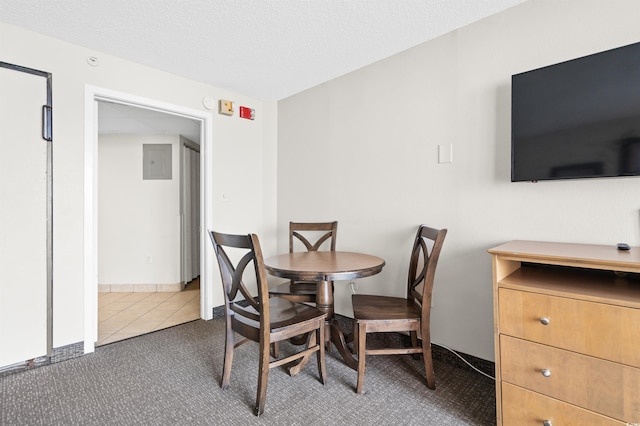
567, 334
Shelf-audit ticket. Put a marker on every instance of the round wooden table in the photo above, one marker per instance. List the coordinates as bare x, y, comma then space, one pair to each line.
324, 267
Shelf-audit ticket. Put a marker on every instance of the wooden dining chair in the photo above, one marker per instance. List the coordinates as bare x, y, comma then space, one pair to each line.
381, 314
309, 236
261, 319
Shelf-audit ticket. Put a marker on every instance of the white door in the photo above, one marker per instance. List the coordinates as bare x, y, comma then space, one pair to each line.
190, 210
23, 218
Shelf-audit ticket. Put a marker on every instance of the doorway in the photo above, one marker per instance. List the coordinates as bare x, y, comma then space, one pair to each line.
93, 96
147, 166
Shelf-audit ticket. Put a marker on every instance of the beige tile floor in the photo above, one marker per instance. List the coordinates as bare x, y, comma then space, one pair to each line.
125, 315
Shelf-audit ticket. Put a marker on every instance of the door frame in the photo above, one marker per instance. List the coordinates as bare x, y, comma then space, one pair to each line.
93, 94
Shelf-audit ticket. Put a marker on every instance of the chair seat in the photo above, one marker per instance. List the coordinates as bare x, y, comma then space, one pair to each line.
383, 308
283, 313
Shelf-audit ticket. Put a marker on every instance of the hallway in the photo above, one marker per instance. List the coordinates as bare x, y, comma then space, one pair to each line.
125, 315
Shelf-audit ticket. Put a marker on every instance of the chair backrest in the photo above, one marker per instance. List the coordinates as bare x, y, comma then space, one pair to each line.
422, 267
247, 249
313, 235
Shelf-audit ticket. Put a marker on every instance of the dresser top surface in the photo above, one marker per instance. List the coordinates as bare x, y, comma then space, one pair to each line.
571, 253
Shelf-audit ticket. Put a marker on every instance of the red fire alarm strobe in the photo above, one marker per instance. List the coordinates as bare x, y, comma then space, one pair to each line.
248, 113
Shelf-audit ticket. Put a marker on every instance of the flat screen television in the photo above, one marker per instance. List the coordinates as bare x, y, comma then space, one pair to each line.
577, 119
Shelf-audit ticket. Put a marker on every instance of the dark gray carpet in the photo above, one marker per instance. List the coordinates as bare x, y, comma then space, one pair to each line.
171, 377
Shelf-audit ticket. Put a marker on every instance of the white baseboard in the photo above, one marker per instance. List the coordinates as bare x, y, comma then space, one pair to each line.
138, 288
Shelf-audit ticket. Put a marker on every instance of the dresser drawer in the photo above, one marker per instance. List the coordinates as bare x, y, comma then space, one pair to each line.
597, 329
591, 383
521, 407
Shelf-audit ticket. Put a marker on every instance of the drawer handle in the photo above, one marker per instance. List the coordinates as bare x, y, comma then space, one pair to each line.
547, 423
545, 372
544, 321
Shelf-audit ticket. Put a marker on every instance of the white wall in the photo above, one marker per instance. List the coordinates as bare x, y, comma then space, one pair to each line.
139, 220
240, 165
373, 136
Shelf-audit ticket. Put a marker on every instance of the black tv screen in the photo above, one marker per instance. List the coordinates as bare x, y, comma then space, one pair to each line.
578, 119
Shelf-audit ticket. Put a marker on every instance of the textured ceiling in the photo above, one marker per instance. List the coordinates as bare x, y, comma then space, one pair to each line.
266, 49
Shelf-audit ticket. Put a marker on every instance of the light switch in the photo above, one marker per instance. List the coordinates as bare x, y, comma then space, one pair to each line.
445, 153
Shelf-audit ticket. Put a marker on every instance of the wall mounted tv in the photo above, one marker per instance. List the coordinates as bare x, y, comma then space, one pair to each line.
578, 119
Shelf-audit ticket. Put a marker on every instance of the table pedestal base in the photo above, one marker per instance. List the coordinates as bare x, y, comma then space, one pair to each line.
340, 342
336, 336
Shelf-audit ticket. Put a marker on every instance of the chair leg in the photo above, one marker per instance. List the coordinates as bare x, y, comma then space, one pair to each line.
428, 361
414, 342
362, 354
320, 354
275, 349
355, 337
228, 357
263, 377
